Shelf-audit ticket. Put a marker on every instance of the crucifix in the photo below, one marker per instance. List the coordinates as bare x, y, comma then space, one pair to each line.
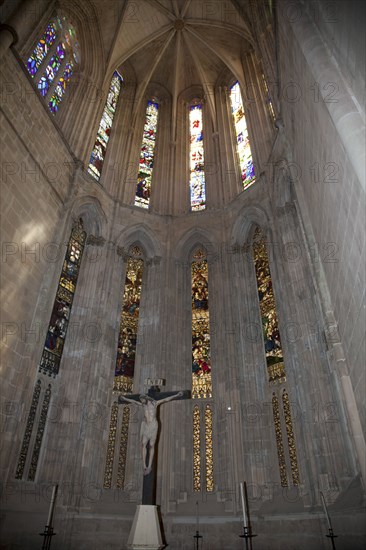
149, 429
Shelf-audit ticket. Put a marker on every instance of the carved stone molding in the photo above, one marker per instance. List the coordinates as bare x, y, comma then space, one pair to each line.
95, 241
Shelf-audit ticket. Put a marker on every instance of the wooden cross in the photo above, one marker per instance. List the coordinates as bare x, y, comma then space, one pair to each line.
149, 429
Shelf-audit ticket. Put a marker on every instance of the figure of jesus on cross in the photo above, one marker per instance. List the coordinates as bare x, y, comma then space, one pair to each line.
149, 426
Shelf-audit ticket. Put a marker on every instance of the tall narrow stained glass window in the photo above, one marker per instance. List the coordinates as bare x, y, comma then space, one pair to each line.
124, 369
275, 363
271, 334
144, 176
127, 339
103, 134
201, 357
203, 467
60, 42
28, 431
57, 329
196, 159
242, 138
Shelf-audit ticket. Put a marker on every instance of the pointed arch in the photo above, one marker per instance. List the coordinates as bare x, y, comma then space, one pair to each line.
247, 219
141, 234
91, 211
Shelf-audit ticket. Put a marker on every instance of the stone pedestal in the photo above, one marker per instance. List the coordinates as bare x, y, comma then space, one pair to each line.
145, 532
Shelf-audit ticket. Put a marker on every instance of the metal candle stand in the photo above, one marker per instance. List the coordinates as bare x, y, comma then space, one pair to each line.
248, 535
197, 536
47, 534
332, 536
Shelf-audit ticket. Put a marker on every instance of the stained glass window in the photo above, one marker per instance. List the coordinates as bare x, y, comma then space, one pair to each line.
28, 431
64, 57
57, 329
52, 69
201, 358
196, 449
242, 139
196, 159
41, 49
126, 352
100, 146
209, 449
144, 176
203, 463
274, 359
61, 88
271, 334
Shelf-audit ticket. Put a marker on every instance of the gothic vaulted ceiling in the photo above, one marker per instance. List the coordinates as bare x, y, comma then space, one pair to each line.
175, 43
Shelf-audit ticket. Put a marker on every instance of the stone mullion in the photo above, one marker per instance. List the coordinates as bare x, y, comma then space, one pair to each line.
180, 191
89, 380
79, 125
261, 121
160, 177
230, 168
119, 180
318, 392
259, 411
211, 158
131, 164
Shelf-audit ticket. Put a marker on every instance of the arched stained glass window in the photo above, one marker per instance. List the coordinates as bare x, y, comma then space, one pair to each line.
126, 352
59, 48
242, 138
144, 176
57, 329
276, 373
196, 159
100, 147
201, 356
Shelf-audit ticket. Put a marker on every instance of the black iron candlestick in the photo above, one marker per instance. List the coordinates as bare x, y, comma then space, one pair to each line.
47, 534
197, 536
248, 535
332, 536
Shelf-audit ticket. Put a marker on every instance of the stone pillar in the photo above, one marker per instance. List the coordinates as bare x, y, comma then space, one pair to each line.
16, 26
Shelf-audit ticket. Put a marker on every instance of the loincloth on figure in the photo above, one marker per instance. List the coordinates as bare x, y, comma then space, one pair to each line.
149, 430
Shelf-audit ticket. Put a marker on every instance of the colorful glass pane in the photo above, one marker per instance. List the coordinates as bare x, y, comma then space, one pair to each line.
242, 139
144, 176
99, 150
61, 88
126, 352
51, 70
196, 449
271, 334
57, 329
41, 49
201, 359
196, 160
